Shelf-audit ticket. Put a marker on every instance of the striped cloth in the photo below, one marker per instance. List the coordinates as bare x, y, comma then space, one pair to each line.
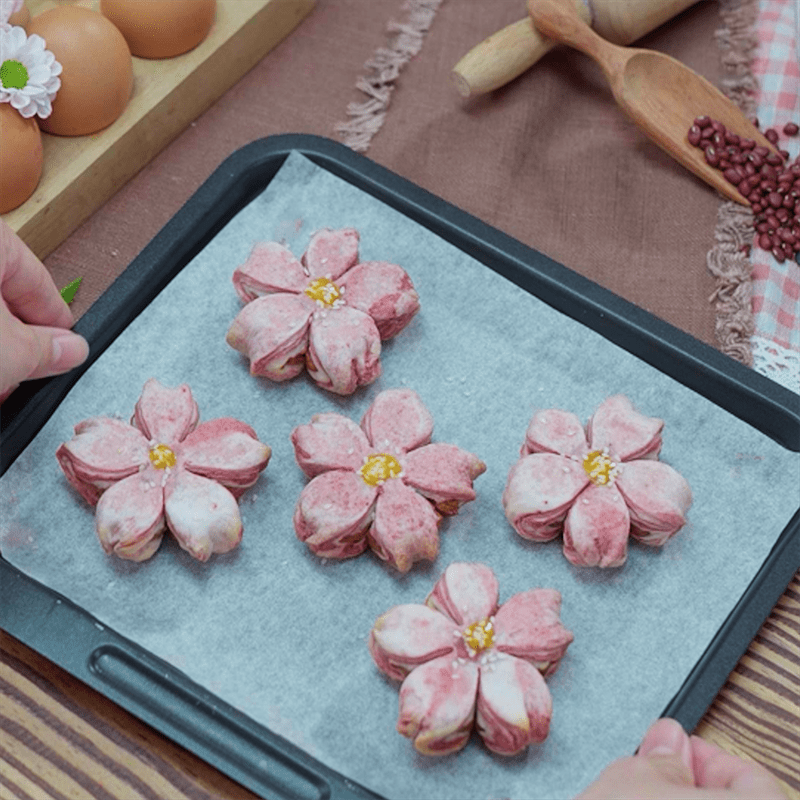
776, 287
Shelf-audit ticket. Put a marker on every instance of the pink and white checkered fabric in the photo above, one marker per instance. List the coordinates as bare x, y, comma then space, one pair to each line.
776, 287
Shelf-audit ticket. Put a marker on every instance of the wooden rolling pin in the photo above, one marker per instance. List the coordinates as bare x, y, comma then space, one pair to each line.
509, 52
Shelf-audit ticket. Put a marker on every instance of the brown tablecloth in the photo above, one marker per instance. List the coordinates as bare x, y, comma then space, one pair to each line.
548, 159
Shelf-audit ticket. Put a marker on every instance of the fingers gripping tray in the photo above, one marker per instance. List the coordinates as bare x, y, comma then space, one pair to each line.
256, 660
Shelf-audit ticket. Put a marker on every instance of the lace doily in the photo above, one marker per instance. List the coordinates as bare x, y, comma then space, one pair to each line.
778, 363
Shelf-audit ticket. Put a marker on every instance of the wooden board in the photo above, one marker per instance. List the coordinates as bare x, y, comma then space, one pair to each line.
82, 172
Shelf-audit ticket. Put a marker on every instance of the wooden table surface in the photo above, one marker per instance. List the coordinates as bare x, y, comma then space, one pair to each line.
61, 739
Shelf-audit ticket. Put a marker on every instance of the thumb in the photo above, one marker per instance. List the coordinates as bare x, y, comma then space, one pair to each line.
667, 748
36, 351
670, 765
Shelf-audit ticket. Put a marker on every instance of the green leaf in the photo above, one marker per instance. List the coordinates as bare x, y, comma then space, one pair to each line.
68, 292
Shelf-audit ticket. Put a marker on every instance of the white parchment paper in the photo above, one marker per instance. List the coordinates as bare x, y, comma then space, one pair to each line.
281, 635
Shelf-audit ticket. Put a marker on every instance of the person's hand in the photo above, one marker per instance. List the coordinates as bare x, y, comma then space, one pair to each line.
670, 765
34, 319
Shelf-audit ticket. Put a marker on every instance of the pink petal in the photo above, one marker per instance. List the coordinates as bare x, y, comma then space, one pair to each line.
331, 253
272, 332
333, 514
385, 292
443, 473
329, 441
165, 415
658, 498
466, 593
202, 514
130, 516
627, 434
540, 490
407, 636
596, 528
102, 452
437, 706
398, 421
269, 268
514, 706
554, 431
344, 350
406, 527
528, 626
227, 451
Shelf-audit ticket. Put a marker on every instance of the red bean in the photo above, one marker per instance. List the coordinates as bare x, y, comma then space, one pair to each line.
790, 129
749, 168
761, 150
767, 186
731, 137
765, 242
772, 135
754, 120
775, 200
786, 235
702, 122
724, 164
762, 227
717, 126
754, 196
732, 176
773, 221
757, 207
707, 132
774, 159
779, 255
784, 154
694, 135
747, 144
788, 202
769, 172
787, 249
712, 156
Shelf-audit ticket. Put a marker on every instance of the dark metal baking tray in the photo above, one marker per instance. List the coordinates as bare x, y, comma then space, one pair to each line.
187, 713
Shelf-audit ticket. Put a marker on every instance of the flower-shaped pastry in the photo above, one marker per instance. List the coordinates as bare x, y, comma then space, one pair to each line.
28, 73
164, 470
382, 485
599, 486
463, 660
327, 312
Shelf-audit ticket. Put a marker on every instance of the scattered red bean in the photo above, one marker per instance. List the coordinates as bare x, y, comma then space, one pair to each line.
772, 135
791, 129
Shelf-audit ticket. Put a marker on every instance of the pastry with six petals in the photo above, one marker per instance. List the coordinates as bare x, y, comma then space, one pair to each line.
382, 485
164, 471
597, 486
463, 661
327, 312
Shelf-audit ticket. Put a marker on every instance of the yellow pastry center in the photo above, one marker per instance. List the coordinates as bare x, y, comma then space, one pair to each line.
479, 636
162, 457
323, 291
600, 468
378, 468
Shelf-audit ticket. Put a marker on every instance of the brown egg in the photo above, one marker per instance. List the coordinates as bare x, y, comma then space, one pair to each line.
20, 157
97, 76
161, 28
21, 17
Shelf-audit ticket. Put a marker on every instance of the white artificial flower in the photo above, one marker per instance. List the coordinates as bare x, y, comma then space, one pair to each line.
28, 73
7, 9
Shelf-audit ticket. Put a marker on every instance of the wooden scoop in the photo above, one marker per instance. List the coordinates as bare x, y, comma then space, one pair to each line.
659, 93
